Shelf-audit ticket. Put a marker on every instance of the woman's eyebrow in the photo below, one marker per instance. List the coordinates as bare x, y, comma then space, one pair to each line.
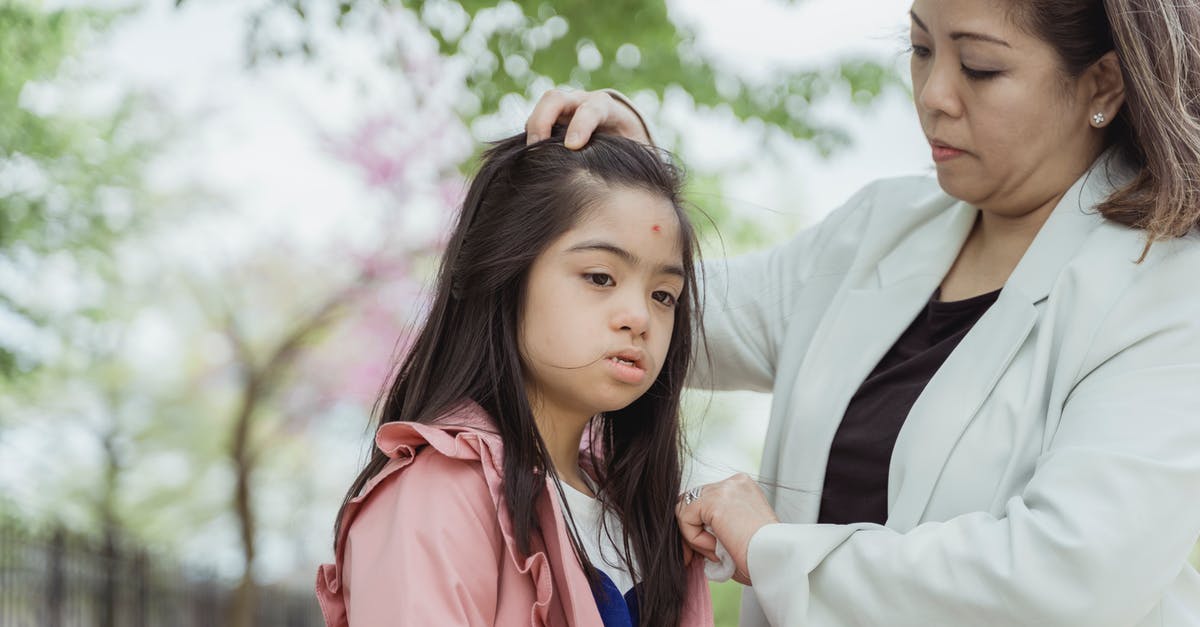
956, 35
624, 255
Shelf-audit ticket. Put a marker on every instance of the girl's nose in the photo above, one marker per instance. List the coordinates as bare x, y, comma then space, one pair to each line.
632, 314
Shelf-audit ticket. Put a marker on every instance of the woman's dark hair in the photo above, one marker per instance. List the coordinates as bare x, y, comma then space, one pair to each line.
523, 198
1158, 129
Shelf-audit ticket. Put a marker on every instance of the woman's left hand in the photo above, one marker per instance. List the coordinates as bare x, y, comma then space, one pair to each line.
734, 509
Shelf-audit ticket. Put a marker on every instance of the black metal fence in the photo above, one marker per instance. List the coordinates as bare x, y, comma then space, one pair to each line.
58, 579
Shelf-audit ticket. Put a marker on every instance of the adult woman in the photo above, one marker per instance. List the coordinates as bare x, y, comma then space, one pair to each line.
1023, 448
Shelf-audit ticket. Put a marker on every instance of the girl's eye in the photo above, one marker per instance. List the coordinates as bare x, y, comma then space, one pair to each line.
979, 75
665, 298
599, 279
919, 51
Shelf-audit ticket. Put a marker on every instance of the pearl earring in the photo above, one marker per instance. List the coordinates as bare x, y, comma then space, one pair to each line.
1098, 119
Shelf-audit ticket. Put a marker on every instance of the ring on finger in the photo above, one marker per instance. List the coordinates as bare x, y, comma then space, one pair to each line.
693, 495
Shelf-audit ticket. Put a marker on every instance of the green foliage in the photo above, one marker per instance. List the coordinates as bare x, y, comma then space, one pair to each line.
633, 45
521, 47
524, 46
516, 46
637, 48
69, 181
32, 44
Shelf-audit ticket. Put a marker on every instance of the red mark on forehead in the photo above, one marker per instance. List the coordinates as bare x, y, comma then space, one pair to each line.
656, 228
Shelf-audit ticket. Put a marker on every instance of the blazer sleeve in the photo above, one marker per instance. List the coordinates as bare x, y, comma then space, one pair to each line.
746, 299
427, 548
1102, 529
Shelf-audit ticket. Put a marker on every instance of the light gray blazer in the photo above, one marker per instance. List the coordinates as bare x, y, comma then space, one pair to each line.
1050, 472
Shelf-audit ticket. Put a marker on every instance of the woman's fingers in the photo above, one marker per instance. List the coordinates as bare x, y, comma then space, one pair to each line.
585, 113
554, 106
581, 111
589, 115
705, 544
734, 509
691, 527
690, 553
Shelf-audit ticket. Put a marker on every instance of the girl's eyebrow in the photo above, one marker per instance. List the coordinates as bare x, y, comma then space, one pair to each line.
961, 34
625, 255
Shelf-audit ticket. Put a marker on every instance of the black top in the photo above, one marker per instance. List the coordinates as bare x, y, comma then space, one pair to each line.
856, 477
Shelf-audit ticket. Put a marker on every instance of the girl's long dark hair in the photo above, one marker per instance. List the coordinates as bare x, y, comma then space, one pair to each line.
522, 198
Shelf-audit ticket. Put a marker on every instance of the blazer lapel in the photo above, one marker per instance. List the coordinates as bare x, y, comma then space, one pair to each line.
861, 325
950, 399
955, 394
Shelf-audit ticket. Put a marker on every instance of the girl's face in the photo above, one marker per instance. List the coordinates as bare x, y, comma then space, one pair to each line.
599, 306
1008, 130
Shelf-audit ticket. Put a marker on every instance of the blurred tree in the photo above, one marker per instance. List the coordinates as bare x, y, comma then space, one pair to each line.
72, 194
186, 382
524, 47
70, 179
268, 362
310, 331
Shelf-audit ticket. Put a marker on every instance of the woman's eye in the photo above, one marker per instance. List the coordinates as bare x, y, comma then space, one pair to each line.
923, 52
979, 75
599, 279
665, 298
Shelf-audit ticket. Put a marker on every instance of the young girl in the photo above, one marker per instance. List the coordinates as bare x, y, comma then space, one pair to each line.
563, 314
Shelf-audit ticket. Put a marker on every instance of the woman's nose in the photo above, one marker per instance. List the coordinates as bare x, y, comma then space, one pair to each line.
939, 93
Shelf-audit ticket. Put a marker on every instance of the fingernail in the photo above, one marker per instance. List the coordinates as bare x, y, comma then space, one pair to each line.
572, 139
532, 138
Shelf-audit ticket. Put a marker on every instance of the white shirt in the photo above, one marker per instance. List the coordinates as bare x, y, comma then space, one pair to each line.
597, 541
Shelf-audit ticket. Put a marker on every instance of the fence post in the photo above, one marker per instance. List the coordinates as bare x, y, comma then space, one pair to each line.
55, 593
141, 585
110, 563
201, 605
40, 573
8, 579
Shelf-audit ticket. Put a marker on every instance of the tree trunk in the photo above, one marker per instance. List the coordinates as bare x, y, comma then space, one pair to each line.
258, 384
245, 599
106, 608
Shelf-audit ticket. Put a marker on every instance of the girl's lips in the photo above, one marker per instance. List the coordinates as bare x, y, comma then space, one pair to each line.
625, 372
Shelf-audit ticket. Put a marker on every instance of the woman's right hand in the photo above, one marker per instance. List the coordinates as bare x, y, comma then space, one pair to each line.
584, 113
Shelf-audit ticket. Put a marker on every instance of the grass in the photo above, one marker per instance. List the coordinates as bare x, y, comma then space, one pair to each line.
727, 600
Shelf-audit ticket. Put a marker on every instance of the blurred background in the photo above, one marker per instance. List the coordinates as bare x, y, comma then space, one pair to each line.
218, 218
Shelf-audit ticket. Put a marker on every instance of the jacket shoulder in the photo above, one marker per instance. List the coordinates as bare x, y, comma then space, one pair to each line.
891, 199
875, 220
901, 203
424, 515
432, 487
1110, 263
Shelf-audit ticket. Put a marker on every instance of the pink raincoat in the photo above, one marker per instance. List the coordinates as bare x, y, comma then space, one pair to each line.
429, 542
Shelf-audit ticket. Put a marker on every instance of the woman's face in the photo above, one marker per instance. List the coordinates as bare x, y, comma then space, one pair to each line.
1009, 131
599, 306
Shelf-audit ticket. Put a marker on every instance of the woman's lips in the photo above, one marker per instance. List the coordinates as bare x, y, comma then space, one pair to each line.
942, 152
